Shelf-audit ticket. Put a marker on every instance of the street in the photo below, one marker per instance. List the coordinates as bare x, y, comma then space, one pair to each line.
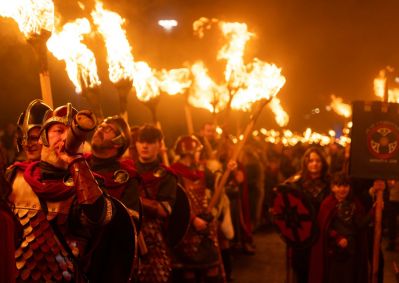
268, 264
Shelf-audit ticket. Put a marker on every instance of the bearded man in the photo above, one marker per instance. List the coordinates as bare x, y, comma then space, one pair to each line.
61, 207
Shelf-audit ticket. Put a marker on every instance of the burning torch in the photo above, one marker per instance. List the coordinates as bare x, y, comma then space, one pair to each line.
148, 92
35, 19
80, 61
119, 56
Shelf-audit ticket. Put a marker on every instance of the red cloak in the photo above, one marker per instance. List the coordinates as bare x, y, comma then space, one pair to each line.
319, 260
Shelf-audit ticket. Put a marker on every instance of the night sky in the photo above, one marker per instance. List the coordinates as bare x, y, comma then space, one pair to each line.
323, 47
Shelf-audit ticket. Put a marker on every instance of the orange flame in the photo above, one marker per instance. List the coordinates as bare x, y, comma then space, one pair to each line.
379, 84
340, 107
204, 92
174, 81
201, 24
316, 138
246, 83
145, 82
32, 16
80, 61
289, 138
281, 116
119, 55
262, 81
233, 52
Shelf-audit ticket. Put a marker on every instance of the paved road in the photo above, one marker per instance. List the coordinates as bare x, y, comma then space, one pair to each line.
268, 264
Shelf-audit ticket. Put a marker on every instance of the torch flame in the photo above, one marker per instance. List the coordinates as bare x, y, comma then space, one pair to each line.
204, 92
379, 84
289, 138
246, 83
340, 107
174, 81
281, 116
32, 16
80, 61
119, 55
233, 52
145, 82
201, 24
262, 81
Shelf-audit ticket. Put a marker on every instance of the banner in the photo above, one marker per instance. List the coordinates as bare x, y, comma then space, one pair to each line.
374, 150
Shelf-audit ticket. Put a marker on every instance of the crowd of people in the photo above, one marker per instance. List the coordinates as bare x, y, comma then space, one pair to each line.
88, 200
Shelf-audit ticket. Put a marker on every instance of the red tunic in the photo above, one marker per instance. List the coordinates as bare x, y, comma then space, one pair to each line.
157, 184
320, 255
198, 249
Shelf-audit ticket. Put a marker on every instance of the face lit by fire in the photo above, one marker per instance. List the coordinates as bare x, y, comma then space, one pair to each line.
314, 165
148, 151
209, 131
101, 142
340, 191
31, 146
56, 136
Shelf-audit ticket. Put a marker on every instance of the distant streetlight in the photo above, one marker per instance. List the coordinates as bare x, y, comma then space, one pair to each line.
168, 24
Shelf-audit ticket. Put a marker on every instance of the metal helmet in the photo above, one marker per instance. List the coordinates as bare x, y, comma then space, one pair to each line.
63, 114
123, 135
187, 145
31, 118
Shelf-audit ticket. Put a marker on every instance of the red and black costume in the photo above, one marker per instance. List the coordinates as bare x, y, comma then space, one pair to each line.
61, 212
199, 250
331, 263
157, 192
119, 178
315, 191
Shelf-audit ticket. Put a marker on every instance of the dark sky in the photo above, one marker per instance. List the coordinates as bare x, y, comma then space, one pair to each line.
323, 47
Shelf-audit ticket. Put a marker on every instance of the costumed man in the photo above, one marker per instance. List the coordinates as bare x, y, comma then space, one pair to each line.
157, 192
196, 258
60, 205
28, 134
119, 179
208, 132
108, 144
214, 158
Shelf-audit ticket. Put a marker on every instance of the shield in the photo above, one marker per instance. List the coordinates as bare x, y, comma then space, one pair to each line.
179, 220
114, 258
293, 216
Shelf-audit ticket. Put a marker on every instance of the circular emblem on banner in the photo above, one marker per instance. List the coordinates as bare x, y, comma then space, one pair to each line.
121, 176
382, 140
